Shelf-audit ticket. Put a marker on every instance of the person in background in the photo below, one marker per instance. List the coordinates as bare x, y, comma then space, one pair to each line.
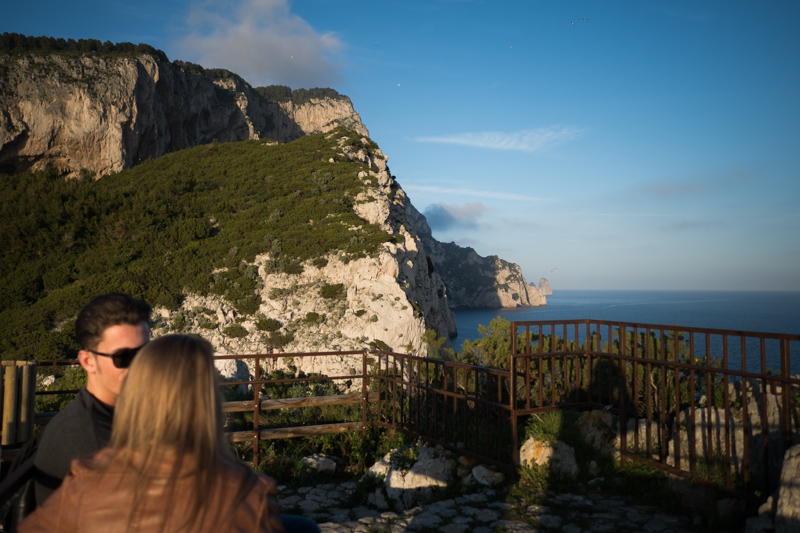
167, 467
110, 330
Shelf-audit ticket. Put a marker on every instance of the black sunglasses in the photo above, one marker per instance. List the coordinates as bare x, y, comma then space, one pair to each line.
122, 358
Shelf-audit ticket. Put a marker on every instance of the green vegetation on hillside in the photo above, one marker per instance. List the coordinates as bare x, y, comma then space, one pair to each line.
190, 221
17, 44
282, 93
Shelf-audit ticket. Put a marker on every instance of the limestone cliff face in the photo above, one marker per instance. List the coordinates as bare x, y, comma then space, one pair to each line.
389, 299
475, 281
544, 287
106, 114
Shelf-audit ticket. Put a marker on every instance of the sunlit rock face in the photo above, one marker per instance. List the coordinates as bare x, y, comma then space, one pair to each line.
388, 299
99, 115
544, 287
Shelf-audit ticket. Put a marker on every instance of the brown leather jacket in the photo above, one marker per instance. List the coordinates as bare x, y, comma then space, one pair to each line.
96, 496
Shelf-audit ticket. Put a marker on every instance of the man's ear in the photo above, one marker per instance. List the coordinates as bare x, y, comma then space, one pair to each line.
88, 361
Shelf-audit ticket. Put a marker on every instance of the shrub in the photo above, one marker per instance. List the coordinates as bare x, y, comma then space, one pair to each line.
378, 344
314, 318
235, 332
332, 292
293, 268
276, 294
277, 340
267, 324
207, 324
179, 323
403, 458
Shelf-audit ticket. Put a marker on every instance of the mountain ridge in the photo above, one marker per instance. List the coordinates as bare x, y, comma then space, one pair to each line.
96, 115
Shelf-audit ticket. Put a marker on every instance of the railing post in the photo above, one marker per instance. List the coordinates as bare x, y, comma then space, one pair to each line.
786, 395
512, 398
9, 403
364, 391
256, 410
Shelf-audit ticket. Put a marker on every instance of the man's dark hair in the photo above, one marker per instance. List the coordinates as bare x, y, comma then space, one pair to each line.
106, 310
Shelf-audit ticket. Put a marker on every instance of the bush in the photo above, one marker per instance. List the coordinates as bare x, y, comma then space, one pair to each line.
179, 323
332, 292
235, 332
378, 344
277, 341
314, 318
207, 324
293, 268
267, 324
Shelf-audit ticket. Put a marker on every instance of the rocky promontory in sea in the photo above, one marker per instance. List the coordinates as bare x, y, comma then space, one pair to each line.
544, 287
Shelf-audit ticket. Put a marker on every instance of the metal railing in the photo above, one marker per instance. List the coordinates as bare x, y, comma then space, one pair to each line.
713, 405
688, 400
462, 407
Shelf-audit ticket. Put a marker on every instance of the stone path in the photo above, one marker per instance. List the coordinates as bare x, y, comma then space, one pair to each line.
484, 511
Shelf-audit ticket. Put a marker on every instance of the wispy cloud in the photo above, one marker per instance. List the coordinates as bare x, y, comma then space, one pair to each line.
688, 225
262, 41
477, 193
672, 189
446, 216
535, 140
684, 186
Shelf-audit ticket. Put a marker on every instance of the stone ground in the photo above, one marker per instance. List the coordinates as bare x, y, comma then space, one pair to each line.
483, 511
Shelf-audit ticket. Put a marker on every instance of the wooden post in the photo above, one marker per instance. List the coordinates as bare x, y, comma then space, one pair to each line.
9, 403
18, 401
2, 404
27, 405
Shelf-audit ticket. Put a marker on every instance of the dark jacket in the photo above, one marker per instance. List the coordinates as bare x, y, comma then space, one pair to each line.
81, 429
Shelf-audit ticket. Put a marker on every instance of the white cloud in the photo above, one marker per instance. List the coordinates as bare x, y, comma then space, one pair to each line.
535, 140
262, 41
446, 216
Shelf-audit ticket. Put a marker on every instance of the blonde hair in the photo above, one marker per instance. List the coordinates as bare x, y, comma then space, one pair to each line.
170, 408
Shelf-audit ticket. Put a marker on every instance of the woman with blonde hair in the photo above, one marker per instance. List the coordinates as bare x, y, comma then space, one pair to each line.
167, 467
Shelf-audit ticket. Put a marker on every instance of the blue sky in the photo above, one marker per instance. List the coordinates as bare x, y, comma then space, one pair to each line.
600, 144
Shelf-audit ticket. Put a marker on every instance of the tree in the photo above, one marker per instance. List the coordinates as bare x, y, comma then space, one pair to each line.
493, 349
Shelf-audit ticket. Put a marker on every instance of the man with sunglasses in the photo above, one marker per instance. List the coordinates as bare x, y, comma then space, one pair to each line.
110, 329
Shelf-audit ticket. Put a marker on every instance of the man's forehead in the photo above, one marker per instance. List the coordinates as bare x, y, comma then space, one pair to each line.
126, 332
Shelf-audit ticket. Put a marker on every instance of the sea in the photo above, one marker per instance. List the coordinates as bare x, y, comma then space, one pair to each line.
762, 311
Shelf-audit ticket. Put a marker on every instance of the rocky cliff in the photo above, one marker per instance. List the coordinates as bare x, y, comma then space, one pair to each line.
107, 113
544, 287
386, 300
473, 280
99, 114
